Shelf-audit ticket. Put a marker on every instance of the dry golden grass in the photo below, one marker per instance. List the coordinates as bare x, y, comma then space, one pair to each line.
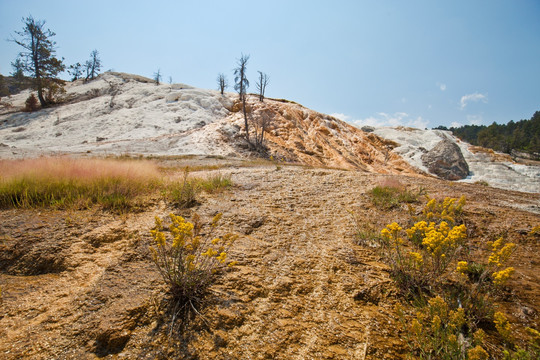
115, 184
62, 181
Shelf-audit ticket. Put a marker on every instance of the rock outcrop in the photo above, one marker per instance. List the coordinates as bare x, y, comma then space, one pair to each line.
446, 161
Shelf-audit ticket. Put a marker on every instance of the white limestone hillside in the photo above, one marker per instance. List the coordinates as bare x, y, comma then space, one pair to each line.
120, 113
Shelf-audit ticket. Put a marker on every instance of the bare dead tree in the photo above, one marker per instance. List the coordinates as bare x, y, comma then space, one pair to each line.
261, 123
261, 84
241, 84
93, 66
222, 83
157, 76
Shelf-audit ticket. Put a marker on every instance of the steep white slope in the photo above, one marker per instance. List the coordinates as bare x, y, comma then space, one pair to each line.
121, 113
483, 166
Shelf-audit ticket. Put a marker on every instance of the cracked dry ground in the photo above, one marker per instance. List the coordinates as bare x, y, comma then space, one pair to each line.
79, 284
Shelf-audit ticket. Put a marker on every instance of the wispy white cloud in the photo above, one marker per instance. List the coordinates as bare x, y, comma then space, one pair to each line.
385, 119
475, 119
456, 124
341, 116
441, 86
465, 99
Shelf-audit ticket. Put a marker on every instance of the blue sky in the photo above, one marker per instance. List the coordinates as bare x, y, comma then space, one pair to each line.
380, 62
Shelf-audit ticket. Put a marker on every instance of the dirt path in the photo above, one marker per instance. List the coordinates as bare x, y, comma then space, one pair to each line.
301, 290
298, 273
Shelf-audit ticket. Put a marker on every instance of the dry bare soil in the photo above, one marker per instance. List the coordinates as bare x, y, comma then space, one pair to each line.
80, 284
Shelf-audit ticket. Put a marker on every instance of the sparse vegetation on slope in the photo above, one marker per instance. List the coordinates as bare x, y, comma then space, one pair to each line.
189, 260
453, 300
114, 184
66, 182
82, 282
390, 194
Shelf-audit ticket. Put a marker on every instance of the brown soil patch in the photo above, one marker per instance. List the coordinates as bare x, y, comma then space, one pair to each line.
80, 285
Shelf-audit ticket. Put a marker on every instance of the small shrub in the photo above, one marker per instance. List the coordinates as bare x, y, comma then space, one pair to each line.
391, 194
449, 210
435, 330
420, 263
31, 104
434, 248
482, 183
183, 194
189, 259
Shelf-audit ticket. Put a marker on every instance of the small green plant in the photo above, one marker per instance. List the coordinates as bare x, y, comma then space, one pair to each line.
366, 233
183, 194
189, 259
482, 183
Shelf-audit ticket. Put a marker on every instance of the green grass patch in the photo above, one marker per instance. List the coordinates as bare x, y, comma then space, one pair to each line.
391, 195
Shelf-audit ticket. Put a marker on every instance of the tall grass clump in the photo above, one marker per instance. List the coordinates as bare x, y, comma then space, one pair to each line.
61, 182
391, 194
184, 193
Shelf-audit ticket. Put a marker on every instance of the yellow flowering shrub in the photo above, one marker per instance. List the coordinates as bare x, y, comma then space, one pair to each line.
477, 353
188, 260
434, 330
436, 245
448, 209
419, 257
503, 326
462, 267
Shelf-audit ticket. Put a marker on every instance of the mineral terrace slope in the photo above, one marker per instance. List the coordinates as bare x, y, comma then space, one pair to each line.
119, 114
80, 284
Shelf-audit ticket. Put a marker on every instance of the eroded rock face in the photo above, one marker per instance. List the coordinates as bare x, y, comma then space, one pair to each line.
446, 161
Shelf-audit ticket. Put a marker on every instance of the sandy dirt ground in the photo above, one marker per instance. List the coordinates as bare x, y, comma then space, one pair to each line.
80, 284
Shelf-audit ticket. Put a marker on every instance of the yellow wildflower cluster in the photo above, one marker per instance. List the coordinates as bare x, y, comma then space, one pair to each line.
501, 252
391, 233
435, 247
416, 259
503, 326
440, 239
188, 260
477, 353
501, 277
446, 210
462, 267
